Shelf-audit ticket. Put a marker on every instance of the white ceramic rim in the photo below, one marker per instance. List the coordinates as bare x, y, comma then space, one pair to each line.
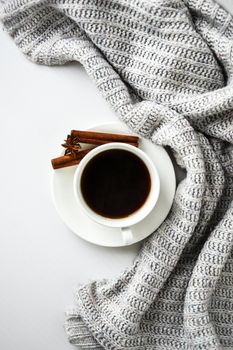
138, 215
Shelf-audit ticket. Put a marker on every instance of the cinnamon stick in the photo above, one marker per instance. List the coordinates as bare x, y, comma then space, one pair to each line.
102, 142
97, 138
65, 161
74, 156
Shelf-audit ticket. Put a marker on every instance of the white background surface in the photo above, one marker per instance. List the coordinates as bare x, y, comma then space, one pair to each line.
41, 261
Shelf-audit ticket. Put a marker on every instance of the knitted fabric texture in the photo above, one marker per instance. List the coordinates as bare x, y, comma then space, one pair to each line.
166, 68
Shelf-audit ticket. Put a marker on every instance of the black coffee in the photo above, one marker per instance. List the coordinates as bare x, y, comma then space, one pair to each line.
115, 183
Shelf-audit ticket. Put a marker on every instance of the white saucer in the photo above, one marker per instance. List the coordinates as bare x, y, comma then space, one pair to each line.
74, 217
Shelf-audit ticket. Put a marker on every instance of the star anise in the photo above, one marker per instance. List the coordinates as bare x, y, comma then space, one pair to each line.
72, 146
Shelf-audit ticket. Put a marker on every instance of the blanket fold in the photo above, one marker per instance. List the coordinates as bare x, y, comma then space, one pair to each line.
166, 68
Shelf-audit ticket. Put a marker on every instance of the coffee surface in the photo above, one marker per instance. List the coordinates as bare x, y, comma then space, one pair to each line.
115, 183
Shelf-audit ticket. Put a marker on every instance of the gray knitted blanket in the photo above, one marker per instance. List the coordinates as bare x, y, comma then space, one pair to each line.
166, 68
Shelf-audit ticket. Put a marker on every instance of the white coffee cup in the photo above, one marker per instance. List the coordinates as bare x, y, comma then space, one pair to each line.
124, 223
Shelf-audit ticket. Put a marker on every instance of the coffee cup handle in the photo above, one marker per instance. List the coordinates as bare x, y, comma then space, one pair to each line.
127, 235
